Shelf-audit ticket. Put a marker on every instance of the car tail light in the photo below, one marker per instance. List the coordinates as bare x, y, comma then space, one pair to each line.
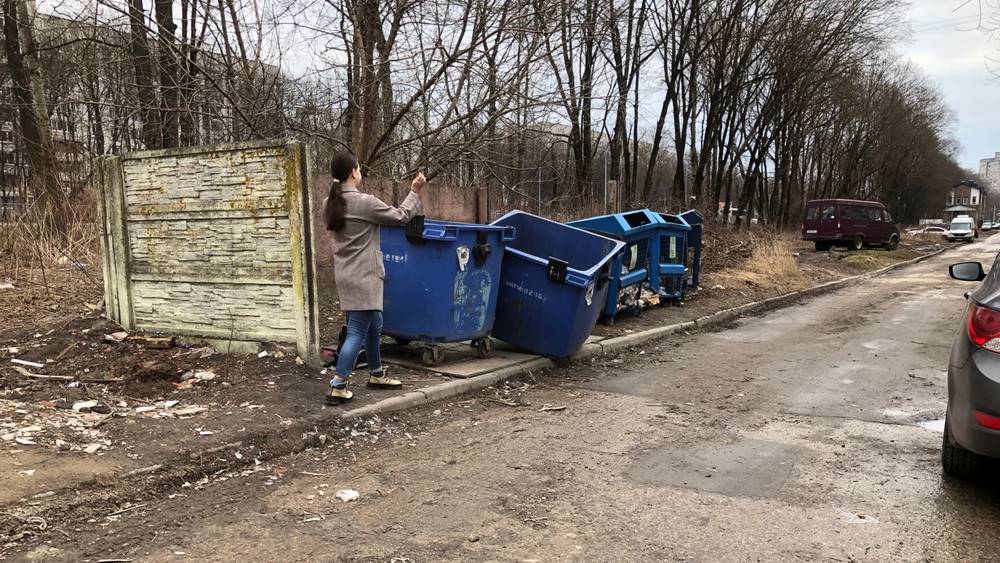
984, 327
987, 420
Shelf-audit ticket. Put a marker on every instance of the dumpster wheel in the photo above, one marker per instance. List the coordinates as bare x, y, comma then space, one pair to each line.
432, 356
484, 347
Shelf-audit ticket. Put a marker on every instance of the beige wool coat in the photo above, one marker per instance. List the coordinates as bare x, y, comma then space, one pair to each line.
357, 255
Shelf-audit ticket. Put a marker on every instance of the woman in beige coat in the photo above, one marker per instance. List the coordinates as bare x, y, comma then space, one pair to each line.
354, 219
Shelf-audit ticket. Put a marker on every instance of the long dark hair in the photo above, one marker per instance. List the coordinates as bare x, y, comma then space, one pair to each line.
341, 168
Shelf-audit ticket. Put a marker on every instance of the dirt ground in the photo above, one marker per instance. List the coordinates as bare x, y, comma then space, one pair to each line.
811, 433
729, 282
111, 408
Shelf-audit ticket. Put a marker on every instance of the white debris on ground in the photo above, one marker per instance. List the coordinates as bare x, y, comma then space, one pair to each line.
24, 424
77, 428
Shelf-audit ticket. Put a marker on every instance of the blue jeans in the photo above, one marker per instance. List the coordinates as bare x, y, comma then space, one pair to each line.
363, 327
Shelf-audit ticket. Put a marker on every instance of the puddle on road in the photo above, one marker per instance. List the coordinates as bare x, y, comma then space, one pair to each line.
932, 425
754, 468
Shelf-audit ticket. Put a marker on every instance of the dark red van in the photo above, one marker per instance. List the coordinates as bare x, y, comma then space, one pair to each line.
850, 223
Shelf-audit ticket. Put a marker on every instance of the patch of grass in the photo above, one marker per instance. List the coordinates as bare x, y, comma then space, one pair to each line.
770, 264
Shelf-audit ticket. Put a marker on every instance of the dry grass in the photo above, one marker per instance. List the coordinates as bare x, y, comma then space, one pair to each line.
39, 261
764, 260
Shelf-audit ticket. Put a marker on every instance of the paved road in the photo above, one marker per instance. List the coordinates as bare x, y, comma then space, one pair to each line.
794, 436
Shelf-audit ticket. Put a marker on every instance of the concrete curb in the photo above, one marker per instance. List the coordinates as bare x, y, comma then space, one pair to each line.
460, 386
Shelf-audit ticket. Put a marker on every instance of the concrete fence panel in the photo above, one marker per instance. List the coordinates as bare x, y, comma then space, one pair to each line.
214, 242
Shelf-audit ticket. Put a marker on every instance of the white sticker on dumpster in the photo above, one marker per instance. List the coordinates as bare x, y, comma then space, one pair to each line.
673, 248
463, 257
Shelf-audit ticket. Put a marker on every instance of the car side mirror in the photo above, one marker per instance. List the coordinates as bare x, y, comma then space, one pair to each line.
967, 271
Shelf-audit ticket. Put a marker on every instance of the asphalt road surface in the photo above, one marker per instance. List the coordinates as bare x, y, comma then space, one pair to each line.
812, 433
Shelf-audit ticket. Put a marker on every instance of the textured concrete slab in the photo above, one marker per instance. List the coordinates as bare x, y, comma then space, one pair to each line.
460, 359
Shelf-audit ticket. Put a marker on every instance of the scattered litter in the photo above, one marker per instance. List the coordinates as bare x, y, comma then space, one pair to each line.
204, 375
504, 402
299, 361
155, 342
197, 353
93, 448
28, 374
146, 408
933, 425
25, 441
27, 472
27, 363
6, 285
13, 350
205, 433
116, 336
852, 518
551, 409
84, 406
170, 404
347, 495
189, 411
262, 354
194, 376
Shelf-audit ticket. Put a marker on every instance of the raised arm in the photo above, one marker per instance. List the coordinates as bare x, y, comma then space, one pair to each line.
382, 213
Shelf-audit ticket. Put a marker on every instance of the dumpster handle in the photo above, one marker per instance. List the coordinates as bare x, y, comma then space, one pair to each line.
440, 232
509, 234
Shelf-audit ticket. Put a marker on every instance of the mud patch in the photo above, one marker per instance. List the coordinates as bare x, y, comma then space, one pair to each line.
750, 468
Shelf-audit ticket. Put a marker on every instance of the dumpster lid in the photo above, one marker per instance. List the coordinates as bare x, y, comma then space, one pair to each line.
434, 229
673, 221
693, 217
600, 253
628, 222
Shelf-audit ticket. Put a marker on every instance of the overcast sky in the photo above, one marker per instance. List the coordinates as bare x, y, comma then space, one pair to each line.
947, 45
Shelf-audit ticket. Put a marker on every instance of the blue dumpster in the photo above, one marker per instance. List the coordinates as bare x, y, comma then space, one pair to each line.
441, 283
632, 267
554, 284
696, 220
671, 268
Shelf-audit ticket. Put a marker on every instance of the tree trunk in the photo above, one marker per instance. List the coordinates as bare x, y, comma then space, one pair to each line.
142, 62
33, 117
166, 29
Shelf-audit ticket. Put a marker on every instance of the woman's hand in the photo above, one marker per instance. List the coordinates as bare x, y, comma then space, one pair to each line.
418, 182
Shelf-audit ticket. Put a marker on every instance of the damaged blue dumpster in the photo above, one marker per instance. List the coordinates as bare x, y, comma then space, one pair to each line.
696, 221
554, 285
441, 283
671, 269
632, 268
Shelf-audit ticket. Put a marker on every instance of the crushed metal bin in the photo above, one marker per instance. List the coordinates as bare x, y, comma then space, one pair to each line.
671, 269
696, 221
441, 283
554, 285
632, 268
